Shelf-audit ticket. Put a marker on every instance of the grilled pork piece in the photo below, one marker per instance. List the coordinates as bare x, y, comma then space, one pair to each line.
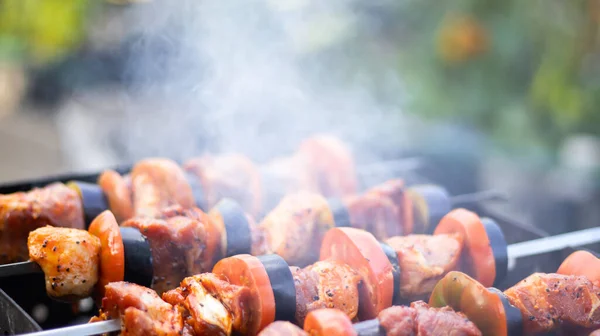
229, 176
234, 298
178, 247
374, 213
203, 312
550, 301
303, 216
141, 310
424, 260
325, 284
280, 328
21, 213
158, 184
421, 320
69, 259
394, 190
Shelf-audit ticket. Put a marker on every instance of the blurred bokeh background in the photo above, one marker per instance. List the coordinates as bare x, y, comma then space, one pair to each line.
497, 94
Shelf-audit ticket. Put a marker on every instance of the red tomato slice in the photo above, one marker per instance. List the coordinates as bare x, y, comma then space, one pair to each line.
361, 251
478, 257
582, 263
246, 270
118, 194
328, 322
464, 294
112, 250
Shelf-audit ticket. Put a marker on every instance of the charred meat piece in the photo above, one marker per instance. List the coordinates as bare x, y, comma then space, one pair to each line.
178, 246
234, 298
23, 212
69, 259
141, 310
204, 313
229, 176
158, 184
551, 301
422, 320
424, 260
279, 328
300, 217
325, 284
374, 213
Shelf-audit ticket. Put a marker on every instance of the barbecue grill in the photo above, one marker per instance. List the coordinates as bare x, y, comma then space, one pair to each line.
27, 308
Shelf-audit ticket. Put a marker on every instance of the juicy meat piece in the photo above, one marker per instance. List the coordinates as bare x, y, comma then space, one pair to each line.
394, 190
234, 298
117, 190
373, 213
23, 212
229, 176
158, 184
69, 259
421, 320
424, 260
178, 245
279, 328
141, 310
325, 284
295, 228
550, 301
204, 313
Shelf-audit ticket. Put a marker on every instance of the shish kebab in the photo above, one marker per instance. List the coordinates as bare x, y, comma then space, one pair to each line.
245, 293
161, 252
567, 301
160, 183
157, 183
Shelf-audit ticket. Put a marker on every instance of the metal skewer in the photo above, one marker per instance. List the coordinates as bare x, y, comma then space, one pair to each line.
96, 328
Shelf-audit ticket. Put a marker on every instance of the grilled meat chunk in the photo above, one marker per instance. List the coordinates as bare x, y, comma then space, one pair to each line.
69, 259
141, 310
424, 260
325, 284
394, 190
229, 176
374, 213
23, 212
304, 215
550, 301
234, 298
203, 312
279, 328
178, 247
158, 184
422, 320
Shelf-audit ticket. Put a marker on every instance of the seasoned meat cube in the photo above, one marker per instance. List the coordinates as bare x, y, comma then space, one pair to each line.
21, 213
279, 328
158, 184
141, 310
325, 284
302, 215
420, 319
424, 260
203, 312
234, 298
550, 301
69, 259
374, 213
177, 248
